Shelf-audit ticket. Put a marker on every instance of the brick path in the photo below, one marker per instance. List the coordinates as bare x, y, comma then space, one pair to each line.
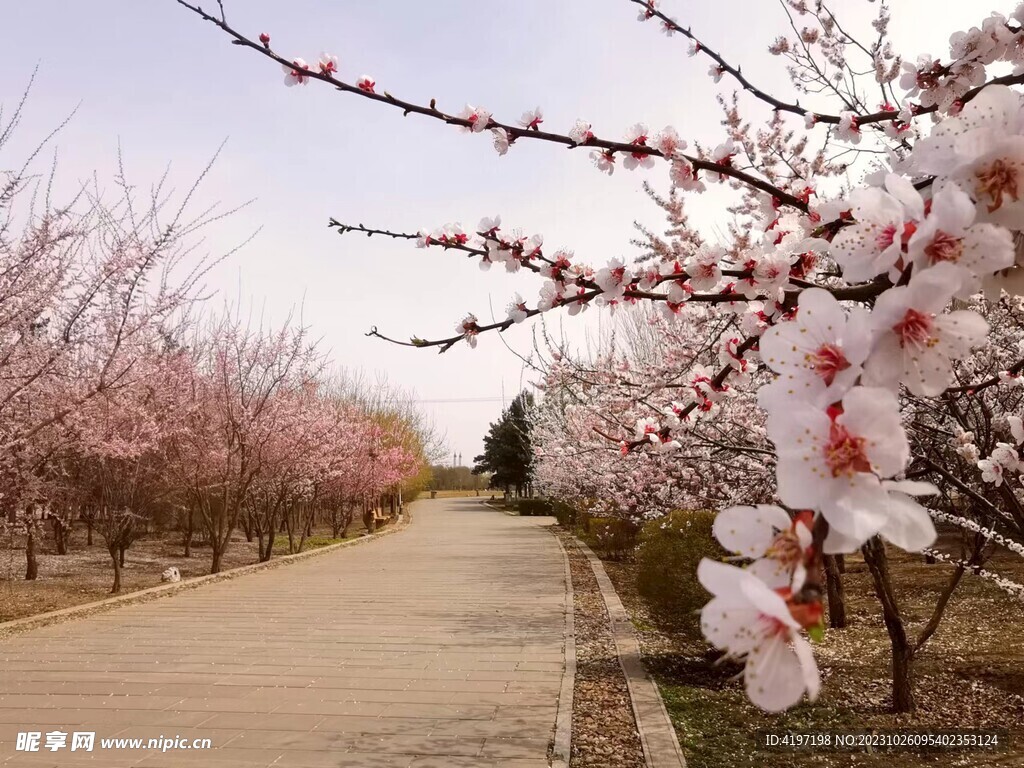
440, 646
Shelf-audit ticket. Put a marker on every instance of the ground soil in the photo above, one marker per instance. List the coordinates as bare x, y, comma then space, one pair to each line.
969, 675
86, 573
604, 731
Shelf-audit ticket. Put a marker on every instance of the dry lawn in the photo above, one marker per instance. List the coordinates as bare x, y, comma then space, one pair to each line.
458, 494
969, 675
86, 573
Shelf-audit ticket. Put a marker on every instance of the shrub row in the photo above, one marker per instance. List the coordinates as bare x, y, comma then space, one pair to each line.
534, 507
670, 549
667, 552
613, 537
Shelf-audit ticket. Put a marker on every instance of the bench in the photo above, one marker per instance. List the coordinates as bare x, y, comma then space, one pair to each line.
375, 519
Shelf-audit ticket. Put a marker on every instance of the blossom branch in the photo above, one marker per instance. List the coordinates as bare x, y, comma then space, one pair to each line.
513, 132
880, 116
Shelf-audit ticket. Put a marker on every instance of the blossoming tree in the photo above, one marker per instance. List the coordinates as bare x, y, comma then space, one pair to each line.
866, 320
117, 406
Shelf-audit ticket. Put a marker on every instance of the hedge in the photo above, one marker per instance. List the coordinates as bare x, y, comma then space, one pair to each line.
533, 507
670, 549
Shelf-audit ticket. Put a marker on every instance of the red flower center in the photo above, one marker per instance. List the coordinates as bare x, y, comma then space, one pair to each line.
844, 453
998, 179
785, 548
827, 362
915, 328
944, 247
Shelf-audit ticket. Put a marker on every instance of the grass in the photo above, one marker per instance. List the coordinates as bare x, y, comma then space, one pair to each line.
322, 540
970, 675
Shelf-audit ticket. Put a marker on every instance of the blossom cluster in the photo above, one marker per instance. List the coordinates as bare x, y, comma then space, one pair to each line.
911, 250
834, 413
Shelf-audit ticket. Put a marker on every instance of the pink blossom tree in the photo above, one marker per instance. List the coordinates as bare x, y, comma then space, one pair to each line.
86, 286
236, 377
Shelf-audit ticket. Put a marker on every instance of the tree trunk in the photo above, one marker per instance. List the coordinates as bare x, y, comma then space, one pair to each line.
291, 530
902, 650
189, 531
219, 545
31, 561
88, 531
247, 528
121, 551
114, 556
836, 594
903, 679
267, 551
60, 540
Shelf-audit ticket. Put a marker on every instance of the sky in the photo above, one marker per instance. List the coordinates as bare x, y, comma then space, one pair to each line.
168, 89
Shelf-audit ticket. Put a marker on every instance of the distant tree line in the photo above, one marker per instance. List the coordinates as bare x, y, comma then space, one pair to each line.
456, 479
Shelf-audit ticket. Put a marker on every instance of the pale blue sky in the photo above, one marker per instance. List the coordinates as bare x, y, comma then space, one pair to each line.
171, 89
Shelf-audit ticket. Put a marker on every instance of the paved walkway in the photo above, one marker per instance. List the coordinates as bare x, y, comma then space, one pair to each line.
441, 645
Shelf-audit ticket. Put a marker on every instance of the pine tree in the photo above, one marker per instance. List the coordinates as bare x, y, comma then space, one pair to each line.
508, 455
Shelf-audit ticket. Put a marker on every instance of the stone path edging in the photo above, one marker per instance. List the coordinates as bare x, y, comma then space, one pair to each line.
500, 509
562, 748
162, 590
658, 737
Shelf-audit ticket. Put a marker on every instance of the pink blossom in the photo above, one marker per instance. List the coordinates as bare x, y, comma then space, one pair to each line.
479, 119
328, 64
297, 73
532, 119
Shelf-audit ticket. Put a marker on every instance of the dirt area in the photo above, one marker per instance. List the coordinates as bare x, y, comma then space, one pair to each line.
86, 574
969, 675
604, 731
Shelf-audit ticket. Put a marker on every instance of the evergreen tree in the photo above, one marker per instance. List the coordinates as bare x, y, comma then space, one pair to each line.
508, 455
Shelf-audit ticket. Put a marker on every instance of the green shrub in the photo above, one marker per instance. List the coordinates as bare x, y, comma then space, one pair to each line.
533, 507
611, 537
670, 549
564, 513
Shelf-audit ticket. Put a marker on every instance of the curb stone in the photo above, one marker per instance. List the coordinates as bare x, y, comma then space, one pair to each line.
163, 590
499, 509
561, 750
657, 736
561, 747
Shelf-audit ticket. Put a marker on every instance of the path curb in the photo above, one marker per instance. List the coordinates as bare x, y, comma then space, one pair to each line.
163, 590
561, 745
561, 749
657, 736
499, 509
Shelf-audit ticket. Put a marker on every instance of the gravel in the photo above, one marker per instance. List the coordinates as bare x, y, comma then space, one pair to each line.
604, 731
